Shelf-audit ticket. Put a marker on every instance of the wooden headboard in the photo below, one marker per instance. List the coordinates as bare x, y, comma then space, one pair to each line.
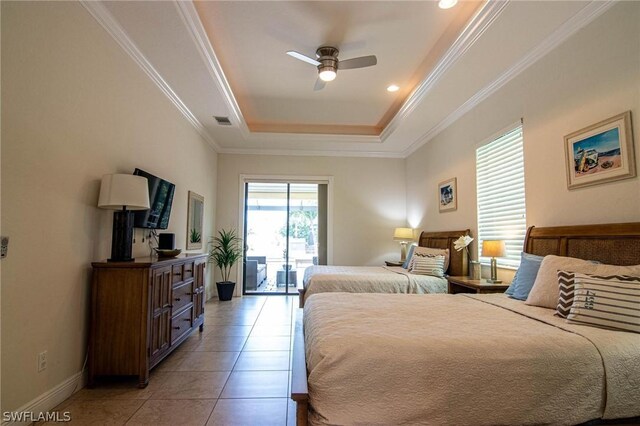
613, 243
459, 262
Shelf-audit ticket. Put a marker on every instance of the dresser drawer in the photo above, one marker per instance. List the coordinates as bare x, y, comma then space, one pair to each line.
176, 274
181, 325
182, 296
187, 271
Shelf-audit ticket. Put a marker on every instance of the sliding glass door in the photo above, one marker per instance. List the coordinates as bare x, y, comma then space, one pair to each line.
284, 233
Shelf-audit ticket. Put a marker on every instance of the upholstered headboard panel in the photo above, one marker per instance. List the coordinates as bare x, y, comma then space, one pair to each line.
614, 243
459, 262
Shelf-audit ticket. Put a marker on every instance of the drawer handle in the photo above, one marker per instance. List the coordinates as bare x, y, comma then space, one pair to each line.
176, 328
186, 319
177, 299
177, 274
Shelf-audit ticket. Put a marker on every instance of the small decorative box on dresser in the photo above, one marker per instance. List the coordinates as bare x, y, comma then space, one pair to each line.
468, 285
141, 311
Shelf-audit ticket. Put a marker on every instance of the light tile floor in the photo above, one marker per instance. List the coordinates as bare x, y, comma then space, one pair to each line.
236, 372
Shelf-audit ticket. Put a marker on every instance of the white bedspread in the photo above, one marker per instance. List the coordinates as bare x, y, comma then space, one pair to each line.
462, 360
369, 279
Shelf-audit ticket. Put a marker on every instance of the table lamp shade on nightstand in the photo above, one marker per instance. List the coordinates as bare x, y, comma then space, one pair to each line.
404, 235
493, 249
123, 193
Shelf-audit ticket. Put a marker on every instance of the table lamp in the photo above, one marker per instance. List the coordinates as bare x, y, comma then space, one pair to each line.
493, 249
123, 193
404, 235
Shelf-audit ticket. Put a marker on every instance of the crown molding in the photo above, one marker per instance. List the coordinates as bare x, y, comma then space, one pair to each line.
199, 36
585, 16
308, 138
108, 22
312, 153
480, 22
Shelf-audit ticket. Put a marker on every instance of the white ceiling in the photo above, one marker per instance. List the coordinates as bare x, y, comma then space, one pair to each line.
227, 59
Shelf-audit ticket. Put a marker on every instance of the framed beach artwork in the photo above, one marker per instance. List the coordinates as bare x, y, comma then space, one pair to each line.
448, 195
195, 216
603, 152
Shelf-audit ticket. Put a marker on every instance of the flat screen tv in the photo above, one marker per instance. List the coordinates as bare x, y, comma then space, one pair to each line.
160, 199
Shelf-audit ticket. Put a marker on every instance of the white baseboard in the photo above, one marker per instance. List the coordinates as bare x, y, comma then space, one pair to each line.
51, 398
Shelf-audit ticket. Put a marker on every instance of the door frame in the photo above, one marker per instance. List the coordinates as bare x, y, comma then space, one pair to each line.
247, 178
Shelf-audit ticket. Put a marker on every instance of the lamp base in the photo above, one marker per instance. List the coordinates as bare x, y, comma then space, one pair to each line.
494, 272
122, 236
403, 251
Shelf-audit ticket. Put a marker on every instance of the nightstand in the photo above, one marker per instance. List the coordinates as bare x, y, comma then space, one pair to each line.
467, 285
393, 262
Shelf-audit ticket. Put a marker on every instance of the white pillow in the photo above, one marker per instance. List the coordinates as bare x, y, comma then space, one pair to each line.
423, 251
545, 291
428, 265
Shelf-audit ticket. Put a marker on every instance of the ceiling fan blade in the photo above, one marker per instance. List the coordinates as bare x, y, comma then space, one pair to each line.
361, 62
319, 85
302, 57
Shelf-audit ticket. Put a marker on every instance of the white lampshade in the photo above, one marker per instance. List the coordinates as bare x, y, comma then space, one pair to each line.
403, 234
493, 248
119, 191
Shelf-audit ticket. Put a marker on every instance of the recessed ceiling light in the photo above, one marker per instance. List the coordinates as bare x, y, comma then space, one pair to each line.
447, 4
393, 88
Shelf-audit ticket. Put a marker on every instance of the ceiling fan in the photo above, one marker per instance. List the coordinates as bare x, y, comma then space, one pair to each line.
328, 63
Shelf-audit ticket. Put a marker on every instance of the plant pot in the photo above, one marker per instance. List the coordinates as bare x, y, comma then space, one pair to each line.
286, 267
225, 290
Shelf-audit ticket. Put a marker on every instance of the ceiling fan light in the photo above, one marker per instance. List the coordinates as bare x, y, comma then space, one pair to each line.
393, 88
447, 4
327, 75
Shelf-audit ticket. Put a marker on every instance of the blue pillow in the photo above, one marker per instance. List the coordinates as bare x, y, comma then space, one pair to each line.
525, 276
405, 265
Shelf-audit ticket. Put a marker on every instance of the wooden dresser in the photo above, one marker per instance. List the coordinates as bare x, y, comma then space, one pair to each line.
141, 311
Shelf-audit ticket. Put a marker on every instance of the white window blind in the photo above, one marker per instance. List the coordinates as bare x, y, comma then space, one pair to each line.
501, 200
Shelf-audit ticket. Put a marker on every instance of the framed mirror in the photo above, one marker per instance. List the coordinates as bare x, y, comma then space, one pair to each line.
195, 216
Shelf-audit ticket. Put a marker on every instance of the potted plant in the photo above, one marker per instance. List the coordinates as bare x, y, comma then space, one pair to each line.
226, 251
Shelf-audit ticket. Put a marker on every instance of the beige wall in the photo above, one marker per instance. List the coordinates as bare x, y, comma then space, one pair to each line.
592, 76
368, 199
74, 107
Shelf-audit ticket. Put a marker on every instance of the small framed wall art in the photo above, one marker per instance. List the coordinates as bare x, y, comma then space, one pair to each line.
448, 195
602, 152
195, 217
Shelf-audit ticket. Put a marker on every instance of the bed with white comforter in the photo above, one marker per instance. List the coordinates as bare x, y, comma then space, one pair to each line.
369, 279
462, 360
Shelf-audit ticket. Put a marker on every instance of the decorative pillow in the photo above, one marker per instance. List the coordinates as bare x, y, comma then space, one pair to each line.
428, 264
405, 265
545, 290
566, 285
525, 276
606, 301
422, 251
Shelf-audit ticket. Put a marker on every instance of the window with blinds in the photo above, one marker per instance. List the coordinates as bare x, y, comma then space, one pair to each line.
501, 200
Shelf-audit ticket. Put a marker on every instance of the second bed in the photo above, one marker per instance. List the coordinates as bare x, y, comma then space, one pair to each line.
387, 279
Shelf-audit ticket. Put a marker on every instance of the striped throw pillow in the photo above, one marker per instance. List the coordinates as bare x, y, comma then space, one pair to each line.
428, 251
428, 264
566, 285
606, 301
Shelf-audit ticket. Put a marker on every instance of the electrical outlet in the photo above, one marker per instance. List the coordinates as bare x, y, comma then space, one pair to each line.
42, 360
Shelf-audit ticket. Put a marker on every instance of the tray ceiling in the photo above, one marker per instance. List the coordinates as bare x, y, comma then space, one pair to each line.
228, 59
